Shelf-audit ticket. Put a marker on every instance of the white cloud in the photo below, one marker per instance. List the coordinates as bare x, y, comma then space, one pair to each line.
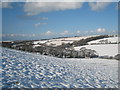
101, 30
34, 8
65, 32
78, 31
43, 18
39, 24
92, 31
5, 5
114, 31
25, 17
49, 33
97, 6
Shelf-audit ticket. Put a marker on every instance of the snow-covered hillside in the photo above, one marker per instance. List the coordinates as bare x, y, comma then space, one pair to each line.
28, 70
56, 42
109, 40
103, 49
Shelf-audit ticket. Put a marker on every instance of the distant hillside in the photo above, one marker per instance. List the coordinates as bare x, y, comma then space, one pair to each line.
62, 47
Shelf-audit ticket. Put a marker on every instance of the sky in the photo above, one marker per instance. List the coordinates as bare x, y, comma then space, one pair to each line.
43, 20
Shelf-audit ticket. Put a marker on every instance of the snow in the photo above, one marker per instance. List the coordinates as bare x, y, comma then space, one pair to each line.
40, 42
28, 70
37, 45
103, 49
110, 39
57, 42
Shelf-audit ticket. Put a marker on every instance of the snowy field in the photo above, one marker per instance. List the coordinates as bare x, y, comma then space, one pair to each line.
110, 40
28, 70
103, 49
56, 42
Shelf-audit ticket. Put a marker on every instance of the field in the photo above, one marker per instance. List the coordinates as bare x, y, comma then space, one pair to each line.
28, 70
102, 50
56, 42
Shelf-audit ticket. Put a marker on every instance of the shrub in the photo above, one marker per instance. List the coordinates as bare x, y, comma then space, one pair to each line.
117, 57
83, 52
106, 57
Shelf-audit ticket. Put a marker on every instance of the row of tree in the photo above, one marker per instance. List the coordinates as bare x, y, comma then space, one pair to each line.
66, 53
85, 41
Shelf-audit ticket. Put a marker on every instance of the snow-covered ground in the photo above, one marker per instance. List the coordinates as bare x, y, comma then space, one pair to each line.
28, 70
40, 42
56, 42
103, 49
109, 40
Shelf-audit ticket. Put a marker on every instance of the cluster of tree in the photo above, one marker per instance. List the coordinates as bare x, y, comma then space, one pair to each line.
66, 53
85, 41
117, 57
19, 45
106, 57
7, 44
